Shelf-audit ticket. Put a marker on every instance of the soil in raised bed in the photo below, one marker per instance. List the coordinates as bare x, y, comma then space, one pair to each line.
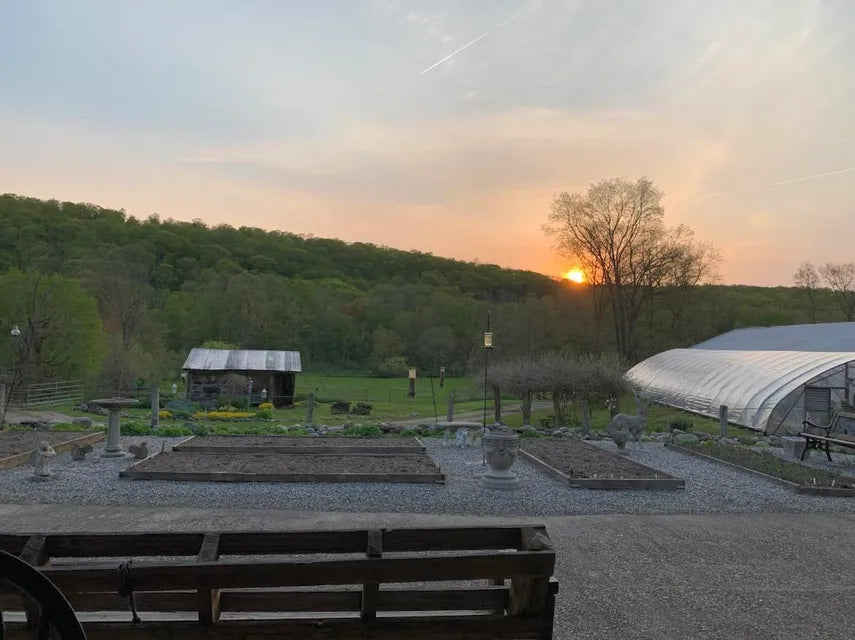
578, 459
772, 465
296, 441
273, 463
16, 442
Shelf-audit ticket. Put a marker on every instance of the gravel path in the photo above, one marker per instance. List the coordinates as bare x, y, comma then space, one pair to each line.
710, 489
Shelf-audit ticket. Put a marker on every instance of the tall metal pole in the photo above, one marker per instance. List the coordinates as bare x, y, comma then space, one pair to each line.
486, 359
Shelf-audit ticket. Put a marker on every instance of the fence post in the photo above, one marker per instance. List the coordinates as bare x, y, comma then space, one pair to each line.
722, 420
155, 404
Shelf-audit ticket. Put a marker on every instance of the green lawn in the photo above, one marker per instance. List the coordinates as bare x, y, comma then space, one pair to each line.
388, 397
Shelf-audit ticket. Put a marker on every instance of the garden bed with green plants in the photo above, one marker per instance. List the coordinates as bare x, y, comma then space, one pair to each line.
799, 477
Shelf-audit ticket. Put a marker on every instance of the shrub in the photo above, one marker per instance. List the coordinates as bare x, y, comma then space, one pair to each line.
135, 429
221, 415
408, 433
265, 406
173, 431
264, 414
165, 414
683, 424
396, 367
362, 409
365, 430
528, 432
201, 429
339, 408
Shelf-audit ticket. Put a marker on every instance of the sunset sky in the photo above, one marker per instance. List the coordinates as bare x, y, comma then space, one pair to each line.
334, 118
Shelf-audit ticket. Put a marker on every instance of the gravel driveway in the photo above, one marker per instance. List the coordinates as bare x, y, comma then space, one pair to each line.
710, 488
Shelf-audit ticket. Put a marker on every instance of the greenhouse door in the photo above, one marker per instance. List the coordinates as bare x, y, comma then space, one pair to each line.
818, 405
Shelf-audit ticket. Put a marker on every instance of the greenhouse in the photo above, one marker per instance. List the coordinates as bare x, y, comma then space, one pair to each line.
771, 390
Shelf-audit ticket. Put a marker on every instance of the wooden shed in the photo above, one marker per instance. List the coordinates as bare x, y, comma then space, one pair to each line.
270, 375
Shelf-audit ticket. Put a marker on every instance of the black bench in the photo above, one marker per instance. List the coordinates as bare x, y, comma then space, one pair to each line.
823, 441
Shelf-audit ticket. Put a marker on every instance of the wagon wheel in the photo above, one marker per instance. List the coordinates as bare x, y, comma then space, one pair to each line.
54, 610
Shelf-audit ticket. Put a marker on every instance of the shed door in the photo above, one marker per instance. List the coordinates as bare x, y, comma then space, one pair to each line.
818, 405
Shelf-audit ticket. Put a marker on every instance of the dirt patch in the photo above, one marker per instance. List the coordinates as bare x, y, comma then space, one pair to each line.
17, 442
577, 459
295, 441
273, 467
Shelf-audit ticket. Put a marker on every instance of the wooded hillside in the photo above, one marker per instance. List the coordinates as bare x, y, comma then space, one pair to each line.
163, 287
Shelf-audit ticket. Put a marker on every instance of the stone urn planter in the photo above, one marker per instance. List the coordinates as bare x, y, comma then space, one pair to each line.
500, 452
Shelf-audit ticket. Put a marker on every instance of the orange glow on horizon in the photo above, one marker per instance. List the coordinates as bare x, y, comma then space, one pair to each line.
575, 275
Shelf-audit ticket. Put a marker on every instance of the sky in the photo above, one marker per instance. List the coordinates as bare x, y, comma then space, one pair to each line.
444, 126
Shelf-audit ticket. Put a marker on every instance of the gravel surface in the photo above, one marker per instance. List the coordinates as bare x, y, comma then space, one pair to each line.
710, 488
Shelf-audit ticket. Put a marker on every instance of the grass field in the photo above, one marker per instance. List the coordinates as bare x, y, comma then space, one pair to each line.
388, 397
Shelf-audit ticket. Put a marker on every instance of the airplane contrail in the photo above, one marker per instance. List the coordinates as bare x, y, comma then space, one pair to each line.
471, 42
818, 175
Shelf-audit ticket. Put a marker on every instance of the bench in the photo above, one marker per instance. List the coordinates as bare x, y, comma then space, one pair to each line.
460, 582
822, 441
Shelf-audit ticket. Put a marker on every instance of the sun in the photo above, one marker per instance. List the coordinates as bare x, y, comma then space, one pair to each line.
575, 275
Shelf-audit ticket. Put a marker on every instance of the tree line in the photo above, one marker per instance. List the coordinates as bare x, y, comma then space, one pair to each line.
105, 296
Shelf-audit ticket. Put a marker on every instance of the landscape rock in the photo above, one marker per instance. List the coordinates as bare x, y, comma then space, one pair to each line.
82, 421
78, 451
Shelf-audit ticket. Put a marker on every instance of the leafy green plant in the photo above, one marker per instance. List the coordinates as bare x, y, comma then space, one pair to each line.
135, 429
264, 414
172, 431
364, 430
683, 424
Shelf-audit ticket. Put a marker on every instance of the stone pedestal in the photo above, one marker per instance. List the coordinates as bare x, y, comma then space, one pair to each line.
114, 406
793, 447
500, 452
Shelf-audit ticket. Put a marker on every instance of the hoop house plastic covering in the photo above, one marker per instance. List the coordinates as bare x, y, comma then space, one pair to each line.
750, 383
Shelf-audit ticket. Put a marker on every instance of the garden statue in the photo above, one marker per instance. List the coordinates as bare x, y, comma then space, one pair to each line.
79, 451
500, 452
42, 459
140, 451
461, 437
623, 427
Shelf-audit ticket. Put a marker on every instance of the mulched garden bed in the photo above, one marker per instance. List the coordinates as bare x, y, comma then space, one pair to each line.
301, 445
16, 446
277, 467
587, 466
799, 477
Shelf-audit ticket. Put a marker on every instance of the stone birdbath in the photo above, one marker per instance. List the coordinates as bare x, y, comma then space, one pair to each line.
501, 447
114, 406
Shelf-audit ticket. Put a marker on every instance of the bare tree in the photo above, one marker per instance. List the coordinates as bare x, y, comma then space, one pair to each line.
841, 278
807, 278
616, 232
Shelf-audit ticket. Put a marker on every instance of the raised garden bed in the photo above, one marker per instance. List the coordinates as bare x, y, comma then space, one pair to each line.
278, 467
801, 478
585, 466
17, 446
301, 445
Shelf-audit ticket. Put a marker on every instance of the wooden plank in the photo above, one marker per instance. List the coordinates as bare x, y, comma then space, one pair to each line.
370, 590
286, 542
275, 601
282, 601
209, 599
529, 595
35, 554
410, 628
213, 476
12, 543
124, 545
451, 538
258, 573
110, 601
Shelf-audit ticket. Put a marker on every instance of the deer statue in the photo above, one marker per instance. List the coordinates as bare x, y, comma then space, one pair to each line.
623, 426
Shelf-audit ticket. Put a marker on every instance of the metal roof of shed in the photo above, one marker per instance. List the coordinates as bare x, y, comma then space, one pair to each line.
243, 360
750, 383
829, 336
